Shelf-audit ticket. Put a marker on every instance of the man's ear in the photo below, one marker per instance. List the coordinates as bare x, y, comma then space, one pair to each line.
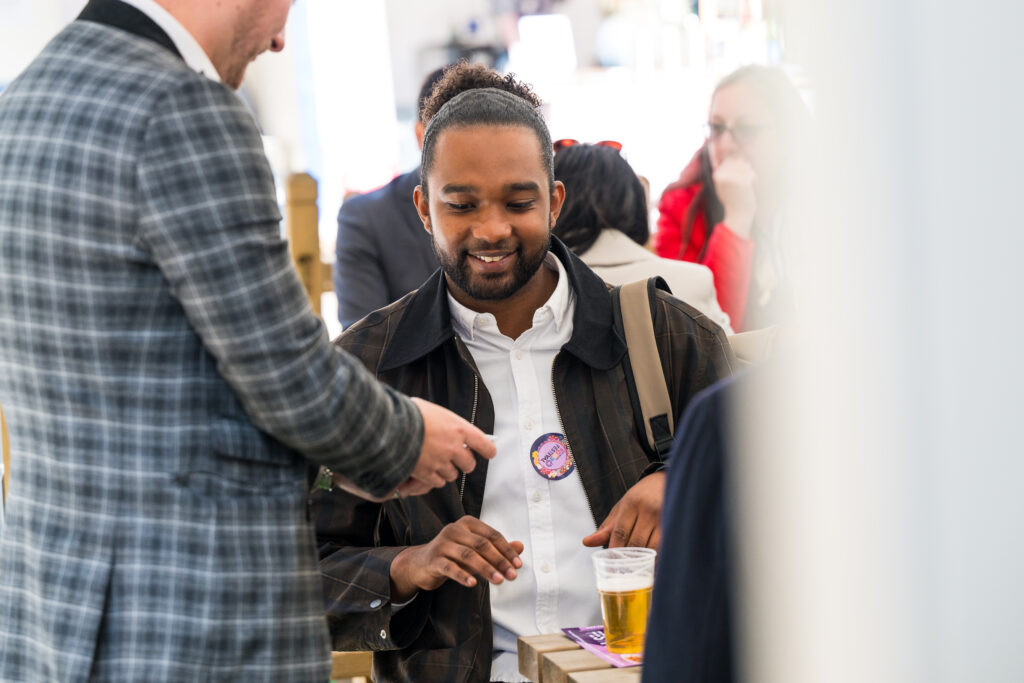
557, 199
419, 130
419, 198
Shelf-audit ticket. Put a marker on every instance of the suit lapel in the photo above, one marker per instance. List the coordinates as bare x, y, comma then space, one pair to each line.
127, 18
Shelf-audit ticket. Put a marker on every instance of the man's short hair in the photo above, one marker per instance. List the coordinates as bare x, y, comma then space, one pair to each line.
474, 95
428, 86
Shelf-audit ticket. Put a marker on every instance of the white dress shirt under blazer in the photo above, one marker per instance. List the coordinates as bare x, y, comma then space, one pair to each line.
189, 48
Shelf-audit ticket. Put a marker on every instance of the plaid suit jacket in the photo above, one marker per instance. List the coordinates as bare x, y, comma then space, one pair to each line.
161, 372
446, 634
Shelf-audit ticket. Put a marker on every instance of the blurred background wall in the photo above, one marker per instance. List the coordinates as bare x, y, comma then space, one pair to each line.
880, 530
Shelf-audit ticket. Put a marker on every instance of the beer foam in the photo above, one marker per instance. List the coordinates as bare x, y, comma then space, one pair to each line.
621, 584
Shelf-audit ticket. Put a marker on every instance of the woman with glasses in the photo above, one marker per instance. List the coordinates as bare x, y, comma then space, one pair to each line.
604, 221
727, 207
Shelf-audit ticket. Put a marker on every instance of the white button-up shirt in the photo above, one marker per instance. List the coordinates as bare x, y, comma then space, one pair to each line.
556, 587
191, 51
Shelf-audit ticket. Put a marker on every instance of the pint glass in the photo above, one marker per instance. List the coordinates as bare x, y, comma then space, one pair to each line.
625, 578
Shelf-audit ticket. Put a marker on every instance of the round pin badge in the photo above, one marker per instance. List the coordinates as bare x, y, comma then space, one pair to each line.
551, 457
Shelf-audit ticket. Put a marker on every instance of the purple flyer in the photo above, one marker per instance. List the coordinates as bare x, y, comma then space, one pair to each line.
591, 639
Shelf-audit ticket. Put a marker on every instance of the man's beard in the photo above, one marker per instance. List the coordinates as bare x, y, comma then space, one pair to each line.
486, 287
245, 47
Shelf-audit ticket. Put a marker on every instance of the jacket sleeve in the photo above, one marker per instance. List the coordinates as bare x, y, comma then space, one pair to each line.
210, 222
729, 257
356, 549
359, 278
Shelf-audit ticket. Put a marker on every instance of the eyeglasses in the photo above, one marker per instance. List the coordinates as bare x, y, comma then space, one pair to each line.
565, 143
744, 134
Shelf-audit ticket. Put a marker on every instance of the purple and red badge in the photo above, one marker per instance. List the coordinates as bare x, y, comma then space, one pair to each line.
551, 457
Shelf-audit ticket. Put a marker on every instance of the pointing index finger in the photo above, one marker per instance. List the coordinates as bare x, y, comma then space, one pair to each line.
480, 443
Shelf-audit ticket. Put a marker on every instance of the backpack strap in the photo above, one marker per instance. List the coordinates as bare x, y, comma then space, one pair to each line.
633, 307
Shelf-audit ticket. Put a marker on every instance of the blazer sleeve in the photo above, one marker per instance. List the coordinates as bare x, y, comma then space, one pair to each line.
359, 278
209, 220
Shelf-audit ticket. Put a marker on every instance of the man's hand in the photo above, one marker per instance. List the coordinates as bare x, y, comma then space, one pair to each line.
735, 180
447, 442
636, 518
463, 550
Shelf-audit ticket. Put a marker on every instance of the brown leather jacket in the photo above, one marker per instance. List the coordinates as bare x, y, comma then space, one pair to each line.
445, 634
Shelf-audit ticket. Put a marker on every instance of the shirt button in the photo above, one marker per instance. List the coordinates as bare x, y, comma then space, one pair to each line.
383, 634
375, 604
518, 354
545, 567
527, 424
536, 496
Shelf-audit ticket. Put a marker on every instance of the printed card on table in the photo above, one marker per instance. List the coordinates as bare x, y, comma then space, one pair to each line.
591, 639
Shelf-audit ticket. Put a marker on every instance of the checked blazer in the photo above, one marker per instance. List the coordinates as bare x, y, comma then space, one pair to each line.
163, 376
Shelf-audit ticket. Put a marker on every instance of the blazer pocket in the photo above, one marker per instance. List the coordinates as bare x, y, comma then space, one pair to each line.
238, 440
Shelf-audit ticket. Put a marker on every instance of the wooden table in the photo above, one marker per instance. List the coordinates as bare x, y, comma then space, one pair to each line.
345, 665
557, 659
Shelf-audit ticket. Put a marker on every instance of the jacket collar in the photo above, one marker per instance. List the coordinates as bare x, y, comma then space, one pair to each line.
426, 323
127, 18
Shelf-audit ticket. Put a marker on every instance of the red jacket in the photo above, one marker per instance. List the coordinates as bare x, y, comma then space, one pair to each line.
727, 255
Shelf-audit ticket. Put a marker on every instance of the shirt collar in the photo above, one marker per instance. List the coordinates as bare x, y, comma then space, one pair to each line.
425, 323
465, 321
191, 51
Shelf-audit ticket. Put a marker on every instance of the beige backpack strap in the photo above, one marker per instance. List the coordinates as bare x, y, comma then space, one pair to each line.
635, 301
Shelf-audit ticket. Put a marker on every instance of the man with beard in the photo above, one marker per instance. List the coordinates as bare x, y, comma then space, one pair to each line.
516, 335
164, 379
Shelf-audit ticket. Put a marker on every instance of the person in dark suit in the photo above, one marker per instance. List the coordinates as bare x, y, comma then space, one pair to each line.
383, 252
689, 635
164, 379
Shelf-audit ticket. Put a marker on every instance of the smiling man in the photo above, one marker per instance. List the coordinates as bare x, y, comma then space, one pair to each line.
516, 335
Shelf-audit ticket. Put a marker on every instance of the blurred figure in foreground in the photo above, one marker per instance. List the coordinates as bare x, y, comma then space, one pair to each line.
728, 208
689, 635
382, 252
604, 221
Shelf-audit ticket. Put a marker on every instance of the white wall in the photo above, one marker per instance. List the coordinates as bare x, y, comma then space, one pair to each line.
26, 26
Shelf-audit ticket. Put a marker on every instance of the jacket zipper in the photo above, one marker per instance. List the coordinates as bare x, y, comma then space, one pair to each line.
472, 421
561, 425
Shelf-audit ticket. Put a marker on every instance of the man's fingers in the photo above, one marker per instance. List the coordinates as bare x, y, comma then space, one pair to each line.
486, 550
641, 535
413, 487
463, 459
469, 560
498, 541
621, 531
655, 542
431, 479
599, 537
477, 441
449, 472
450, 569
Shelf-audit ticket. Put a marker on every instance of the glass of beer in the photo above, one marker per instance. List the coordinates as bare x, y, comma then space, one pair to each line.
625, 579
